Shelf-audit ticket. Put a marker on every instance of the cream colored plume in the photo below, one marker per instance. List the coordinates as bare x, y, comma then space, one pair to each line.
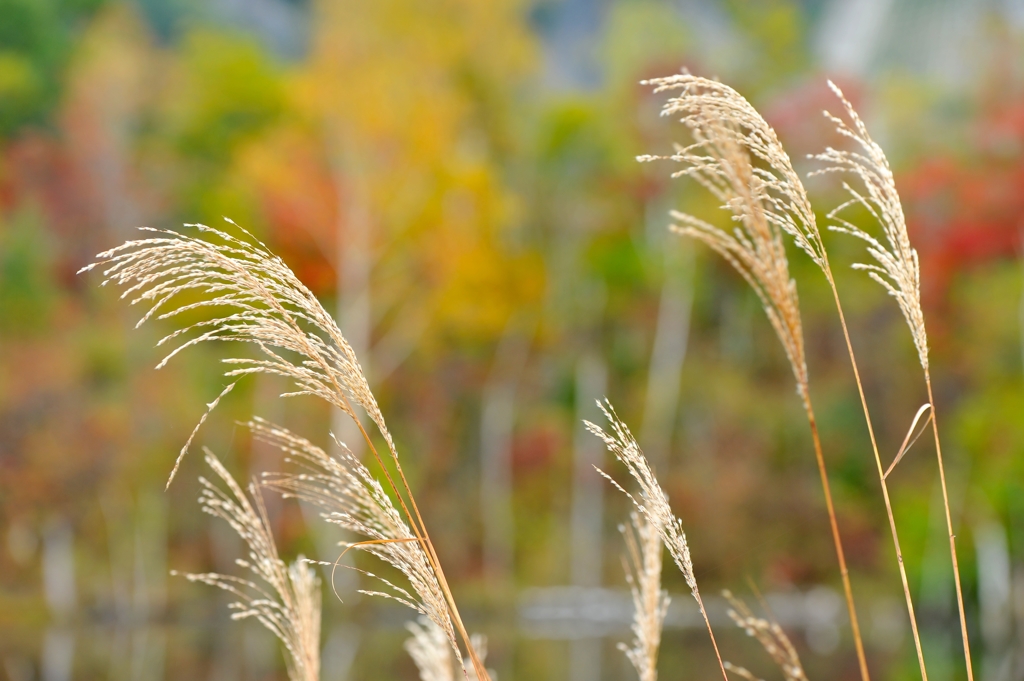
642, 564
350, 497
253, 298
286, 598
897, 267
737, 156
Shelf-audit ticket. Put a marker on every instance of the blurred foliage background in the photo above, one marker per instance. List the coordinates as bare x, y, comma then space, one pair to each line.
456, 180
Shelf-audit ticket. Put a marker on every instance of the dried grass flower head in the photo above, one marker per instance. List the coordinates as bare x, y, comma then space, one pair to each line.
652, 501
652, 504
286, 598
737, 156
349, 496
771, 637
254, 298
896, 267
433, 658
642, 564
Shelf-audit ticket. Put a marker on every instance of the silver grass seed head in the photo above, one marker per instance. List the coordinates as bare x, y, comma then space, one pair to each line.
284, 598
253, 298
770, 635
897, 267
737, 156
652, 501
349, 496
642, 564
433, 657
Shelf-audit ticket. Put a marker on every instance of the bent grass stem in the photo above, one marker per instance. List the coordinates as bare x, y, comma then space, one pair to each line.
949, 527
881, 474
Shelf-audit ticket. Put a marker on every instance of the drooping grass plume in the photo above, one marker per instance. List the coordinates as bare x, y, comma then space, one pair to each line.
737, 156
652, 503
726, 131
256, 299
642, 564
771, 637
350, 497
286, 598
433, 658
896, 268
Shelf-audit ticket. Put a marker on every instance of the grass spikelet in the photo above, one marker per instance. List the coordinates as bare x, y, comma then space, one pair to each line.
766, 199
432, 656
255, 298
429, 650
897, 266
742, 672
727, 133
287, 599
652, 503
642, 564
771, 637
350, 497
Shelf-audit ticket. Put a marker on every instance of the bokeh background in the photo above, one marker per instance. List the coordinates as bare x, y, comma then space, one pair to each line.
456, 180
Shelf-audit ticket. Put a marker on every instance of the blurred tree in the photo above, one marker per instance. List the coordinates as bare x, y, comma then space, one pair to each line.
36, 38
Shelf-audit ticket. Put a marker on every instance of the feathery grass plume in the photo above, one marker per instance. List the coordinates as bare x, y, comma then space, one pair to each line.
427, 648
642, 565
737, 156
288, 600
771, 637
350, 497
898, 270
432, 657
257, 299
652, 503
765, 200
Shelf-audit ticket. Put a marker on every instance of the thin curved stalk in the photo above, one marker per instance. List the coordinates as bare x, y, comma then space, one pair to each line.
840, 555
881, 474
949, 528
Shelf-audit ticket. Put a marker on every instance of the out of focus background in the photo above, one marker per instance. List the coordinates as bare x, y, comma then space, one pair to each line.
456, 180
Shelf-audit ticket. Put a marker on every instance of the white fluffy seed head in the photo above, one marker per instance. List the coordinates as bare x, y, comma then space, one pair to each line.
429, 650
771, 637
642, 564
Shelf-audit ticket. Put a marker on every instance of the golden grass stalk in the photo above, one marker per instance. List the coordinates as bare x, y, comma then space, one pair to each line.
766, 199
652, 503
771, 637
288, 600
257, 299
642, 564
896, 268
